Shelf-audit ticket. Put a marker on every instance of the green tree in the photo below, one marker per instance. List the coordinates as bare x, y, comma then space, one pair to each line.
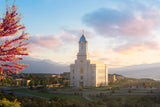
10, 81
44, 83
36, 83
31, 83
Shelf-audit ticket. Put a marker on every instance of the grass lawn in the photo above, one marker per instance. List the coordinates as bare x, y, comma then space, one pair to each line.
97, 88
49, 95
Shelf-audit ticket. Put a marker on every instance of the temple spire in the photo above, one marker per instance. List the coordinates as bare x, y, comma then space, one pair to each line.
83, 47
83, 38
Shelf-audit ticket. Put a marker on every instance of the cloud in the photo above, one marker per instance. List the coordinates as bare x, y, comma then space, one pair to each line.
131, 25
135, 22
138, 27
96, 54
146, 52
68, 37
138, 47
55, 40
106, 21
54, 46
46, 41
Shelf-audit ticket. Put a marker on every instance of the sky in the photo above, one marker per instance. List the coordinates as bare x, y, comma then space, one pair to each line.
119, 32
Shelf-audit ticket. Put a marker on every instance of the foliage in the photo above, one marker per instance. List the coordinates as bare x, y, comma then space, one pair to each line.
80, 88
129, 90
13, 41
113, 91
106, 101
53, 102
7, 103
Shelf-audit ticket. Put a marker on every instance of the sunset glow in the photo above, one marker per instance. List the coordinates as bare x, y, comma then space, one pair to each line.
120, 33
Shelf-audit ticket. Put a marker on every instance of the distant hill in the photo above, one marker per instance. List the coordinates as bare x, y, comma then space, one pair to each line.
139, 71
136, 71
121, 77
43, 66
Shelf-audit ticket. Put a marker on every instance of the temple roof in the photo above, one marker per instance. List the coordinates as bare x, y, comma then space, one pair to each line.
83, 38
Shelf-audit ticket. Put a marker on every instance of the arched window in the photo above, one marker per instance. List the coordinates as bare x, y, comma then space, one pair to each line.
81, 71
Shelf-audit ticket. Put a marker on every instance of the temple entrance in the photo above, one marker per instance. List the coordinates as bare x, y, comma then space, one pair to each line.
81, 84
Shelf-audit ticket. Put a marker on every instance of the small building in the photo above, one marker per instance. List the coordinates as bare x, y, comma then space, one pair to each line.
28, 81
59, 76
53, 75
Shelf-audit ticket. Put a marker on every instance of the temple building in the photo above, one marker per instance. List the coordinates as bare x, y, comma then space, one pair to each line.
86, 72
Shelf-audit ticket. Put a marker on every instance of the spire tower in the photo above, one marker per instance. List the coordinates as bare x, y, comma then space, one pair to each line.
83, 47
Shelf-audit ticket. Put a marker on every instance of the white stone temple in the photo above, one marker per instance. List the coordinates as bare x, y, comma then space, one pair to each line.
86, 72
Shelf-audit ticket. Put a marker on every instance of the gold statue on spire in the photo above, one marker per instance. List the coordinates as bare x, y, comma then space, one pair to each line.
83, 31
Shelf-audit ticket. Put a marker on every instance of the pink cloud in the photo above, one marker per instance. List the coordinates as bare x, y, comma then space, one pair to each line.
130, 54
34, 48
34, 55
46, 41
138, 27
138, 47
68, 37
134, 22
143, 24
96, 54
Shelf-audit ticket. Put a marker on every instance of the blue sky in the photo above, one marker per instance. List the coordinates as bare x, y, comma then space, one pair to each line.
120, 32
53, 15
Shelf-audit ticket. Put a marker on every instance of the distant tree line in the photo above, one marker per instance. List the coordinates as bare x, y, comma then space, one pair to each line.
34, 81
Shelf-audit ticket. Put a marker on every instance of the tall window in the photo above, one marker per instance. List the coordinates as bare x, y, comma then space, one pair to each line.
81, 71
81, 77
92, 77
92, 71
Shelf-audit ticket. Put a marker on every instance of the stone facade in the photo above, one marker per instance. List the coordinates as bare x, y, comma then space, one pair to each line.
86, 72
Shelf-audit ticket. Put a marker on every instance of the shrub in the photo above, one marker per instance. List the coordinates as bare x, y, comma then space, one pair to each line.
113, 91
129, 91
100, 102
80, 88
7, 103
